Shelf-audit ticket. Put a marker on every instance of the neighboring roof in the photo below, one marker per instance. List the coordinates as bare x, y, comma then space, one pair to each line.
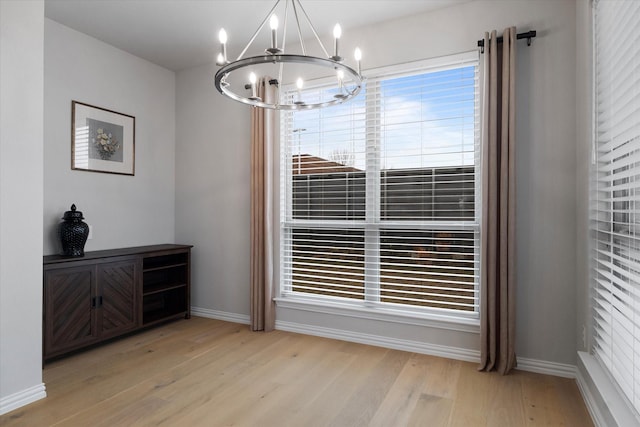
306, 164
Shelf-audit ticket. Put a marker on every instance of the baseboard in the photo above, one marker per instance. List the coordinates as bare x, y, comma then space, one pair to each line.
22, 398
456, 353
546, 367
220, 315
382, 341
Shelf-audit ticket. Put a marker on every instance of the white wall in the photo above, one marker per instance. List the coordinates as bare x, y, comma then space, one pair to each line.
21, 111
122, 210
212, 191
212, 172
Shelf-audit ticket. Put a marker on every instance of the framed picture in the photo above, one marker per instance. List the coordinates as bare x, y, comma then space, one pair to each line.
102, 140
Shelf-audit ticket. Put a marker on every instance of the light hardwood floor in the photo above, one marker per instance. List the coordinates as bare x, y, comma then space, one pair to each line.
204, 372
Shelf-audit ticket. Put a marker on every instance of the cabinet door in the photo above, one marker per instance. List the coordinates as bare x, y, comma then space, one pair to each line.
118, 301
69, 320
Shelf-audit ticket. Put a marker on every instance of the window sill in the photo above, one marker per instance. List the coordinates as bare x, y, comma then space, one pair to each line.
605, 402
450, 322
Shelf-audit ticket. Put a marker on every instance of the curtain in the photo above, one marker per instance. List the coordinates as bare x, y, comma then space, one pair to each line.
497, 305
263, 138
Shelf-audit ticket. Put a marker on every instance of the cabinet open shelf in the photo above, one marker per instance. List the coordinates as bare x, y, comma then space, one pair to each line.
165, 303
159, 316
164, 267
164, 286
150, 290
154, 262
159, 278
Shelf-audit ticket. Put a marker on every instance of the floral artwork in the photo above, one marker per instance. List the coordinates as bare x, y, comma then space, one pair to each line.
102, 140
106, 144
106, 140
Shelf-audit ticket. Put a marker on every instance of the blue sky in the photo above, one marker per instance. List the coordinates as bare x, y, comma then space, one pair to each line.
426, 120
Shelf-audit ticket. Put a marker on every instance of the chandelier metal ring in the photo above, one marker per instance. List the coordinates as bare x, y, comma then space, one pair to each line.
227, 69
302, 67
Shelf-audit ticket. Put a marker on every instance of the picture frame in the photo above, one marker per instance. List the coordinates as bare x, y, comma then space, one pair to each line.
102, 140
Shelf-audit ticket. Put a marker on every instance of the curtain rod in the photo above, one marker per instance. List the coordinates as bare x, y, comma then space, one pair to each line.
528, 35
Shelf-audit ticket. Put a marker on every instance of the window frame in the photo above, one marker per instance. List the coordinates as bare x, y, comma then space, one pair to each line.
372, 225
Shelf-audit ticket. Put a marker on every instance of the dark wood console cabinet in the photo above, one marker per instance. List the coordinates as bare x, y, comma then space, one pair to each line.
109, 293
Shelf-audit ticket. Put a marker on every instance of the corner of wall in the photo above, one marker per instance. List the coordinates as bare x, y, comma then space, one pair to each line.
21, 194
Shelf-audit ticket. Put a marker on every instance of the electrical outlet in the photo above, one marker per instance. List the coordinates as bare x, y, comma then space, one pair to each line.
90, 232
584, 337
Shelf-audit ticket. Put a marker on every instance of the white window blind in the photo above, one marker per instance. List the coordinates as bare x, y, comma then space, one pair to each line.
615, 194
379, 194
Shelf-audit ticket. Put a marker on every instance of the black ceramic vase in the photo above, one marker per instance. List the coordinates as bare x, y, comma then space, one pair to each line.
73, 233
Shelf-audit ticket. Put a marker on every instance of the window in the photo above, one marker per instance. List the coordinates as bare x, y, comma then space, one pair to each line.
379, 195
615, 195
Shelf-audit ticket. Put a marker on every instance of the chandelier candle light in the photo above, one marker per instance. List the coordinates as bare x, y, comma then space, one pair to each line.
238, 79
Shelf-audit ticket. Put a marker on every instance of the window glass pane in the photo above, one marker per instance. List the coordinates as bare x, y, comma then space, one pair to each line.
327, 262
428, 145
429, 268
327, 149
339, 195
427, 120
428, 194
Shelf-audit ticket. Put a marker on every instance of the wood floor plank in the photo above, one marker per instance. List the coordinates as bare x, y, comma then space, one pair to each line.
442, 375
319, 411
505, 405
539, 397
204, 372
290, 399
424, 391
401, 401
473, 394
283, 367
546, 401
575, 413
365, 401
197, 383
431, 410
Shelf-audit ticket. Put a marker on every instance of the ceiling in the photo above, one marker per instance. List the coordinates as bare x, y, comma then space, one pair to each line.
178, 34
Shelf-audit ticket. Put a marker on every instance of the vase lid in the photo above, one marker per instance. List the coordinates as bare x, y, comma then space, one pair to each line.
72, 214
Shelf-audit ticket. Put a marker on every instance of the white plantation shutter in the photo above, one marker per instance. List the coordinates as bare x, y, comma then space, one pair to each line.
615, 194
380, 194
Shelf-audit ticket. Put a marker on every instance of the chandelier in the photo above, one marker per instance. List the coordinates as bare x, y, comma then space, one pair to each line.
238, 79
